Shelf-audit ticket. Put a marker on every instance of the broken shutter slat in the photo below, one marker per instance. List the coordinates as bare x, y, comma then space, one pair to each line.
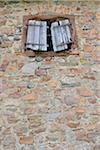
67, 23
64, 34
43, 36
57, 39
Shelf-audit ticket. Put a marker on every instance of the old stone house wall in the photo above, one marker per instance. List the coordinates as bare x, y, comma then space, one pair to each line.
50, 103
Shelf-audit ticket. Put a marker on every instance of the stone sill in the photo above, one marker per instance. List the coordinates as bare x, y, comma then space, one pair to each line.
30, 53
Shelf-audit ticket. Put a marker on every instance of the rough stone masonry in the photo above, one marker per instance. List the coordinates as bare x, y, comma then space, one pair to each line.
50, 103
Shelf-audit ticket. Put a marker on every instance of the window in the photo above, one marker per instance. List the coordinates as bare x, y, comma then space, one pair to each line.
49, 33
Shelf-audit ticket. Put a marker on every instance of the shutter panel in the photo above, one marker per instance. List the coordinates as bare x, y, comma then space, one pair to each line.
43, 36
30, 34
57, 39
61, 35
36, 35
64, 35
66, 29
36, 29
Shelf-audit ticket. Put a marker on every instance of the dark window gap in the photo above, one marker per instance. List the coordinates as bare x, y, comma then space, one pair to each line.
49, 37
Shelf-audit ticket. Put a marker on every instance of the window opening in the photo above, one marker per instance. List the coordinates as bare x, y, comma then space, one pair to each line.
49, 33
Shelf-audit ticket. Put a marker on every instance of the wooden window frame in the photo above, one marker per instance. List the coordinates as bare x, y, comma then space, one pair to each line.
74, 48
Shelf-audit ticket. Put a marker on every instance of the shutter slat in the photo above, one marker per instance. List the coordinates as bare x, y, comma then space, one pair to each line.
43, 36
30, 35
57, 39
53, 37
63, 30
67, 28
36, 29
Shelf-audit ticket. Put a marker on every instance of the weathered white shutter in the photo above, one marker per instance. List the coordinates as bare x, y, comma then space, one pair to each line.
37, 35
65, 27
30, 34
61, 35
57, 38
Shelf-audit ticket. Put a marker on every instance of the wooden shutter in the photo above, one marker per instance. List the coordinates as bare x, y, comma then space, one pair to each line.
61, 35
57, 38
66, 29
37, 35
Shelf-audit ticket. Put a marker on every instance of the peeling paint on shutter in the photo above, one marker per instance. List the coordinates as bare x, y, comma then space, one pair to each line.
57, 39
37, 35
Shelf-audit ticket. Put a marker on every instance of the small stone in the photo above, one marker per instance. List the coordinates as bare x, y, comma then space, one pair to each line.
4, 65
26, 140
35, 121
72, 60
12, 119
70, 82
3, 22
79, 110
16, 38
84, 145
9, 140
91, 126
8, 31
30, 85
73, 124
29, 69
53, 115
20, 129
90, 77
10, 37
98, 15
86, 27
40, 72
70, 100
31, 97
46, 78
86, 92
98, 93
53, 83
7, 131
88, 48
81, 136
19, 30
6, 44
70, 115
75, 71
40, 129
38, 59
5, 37
95, 68
92, 100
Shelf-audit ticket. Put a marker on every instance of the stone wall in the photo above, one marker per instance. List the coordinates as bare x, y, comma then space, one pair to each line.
50, 103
